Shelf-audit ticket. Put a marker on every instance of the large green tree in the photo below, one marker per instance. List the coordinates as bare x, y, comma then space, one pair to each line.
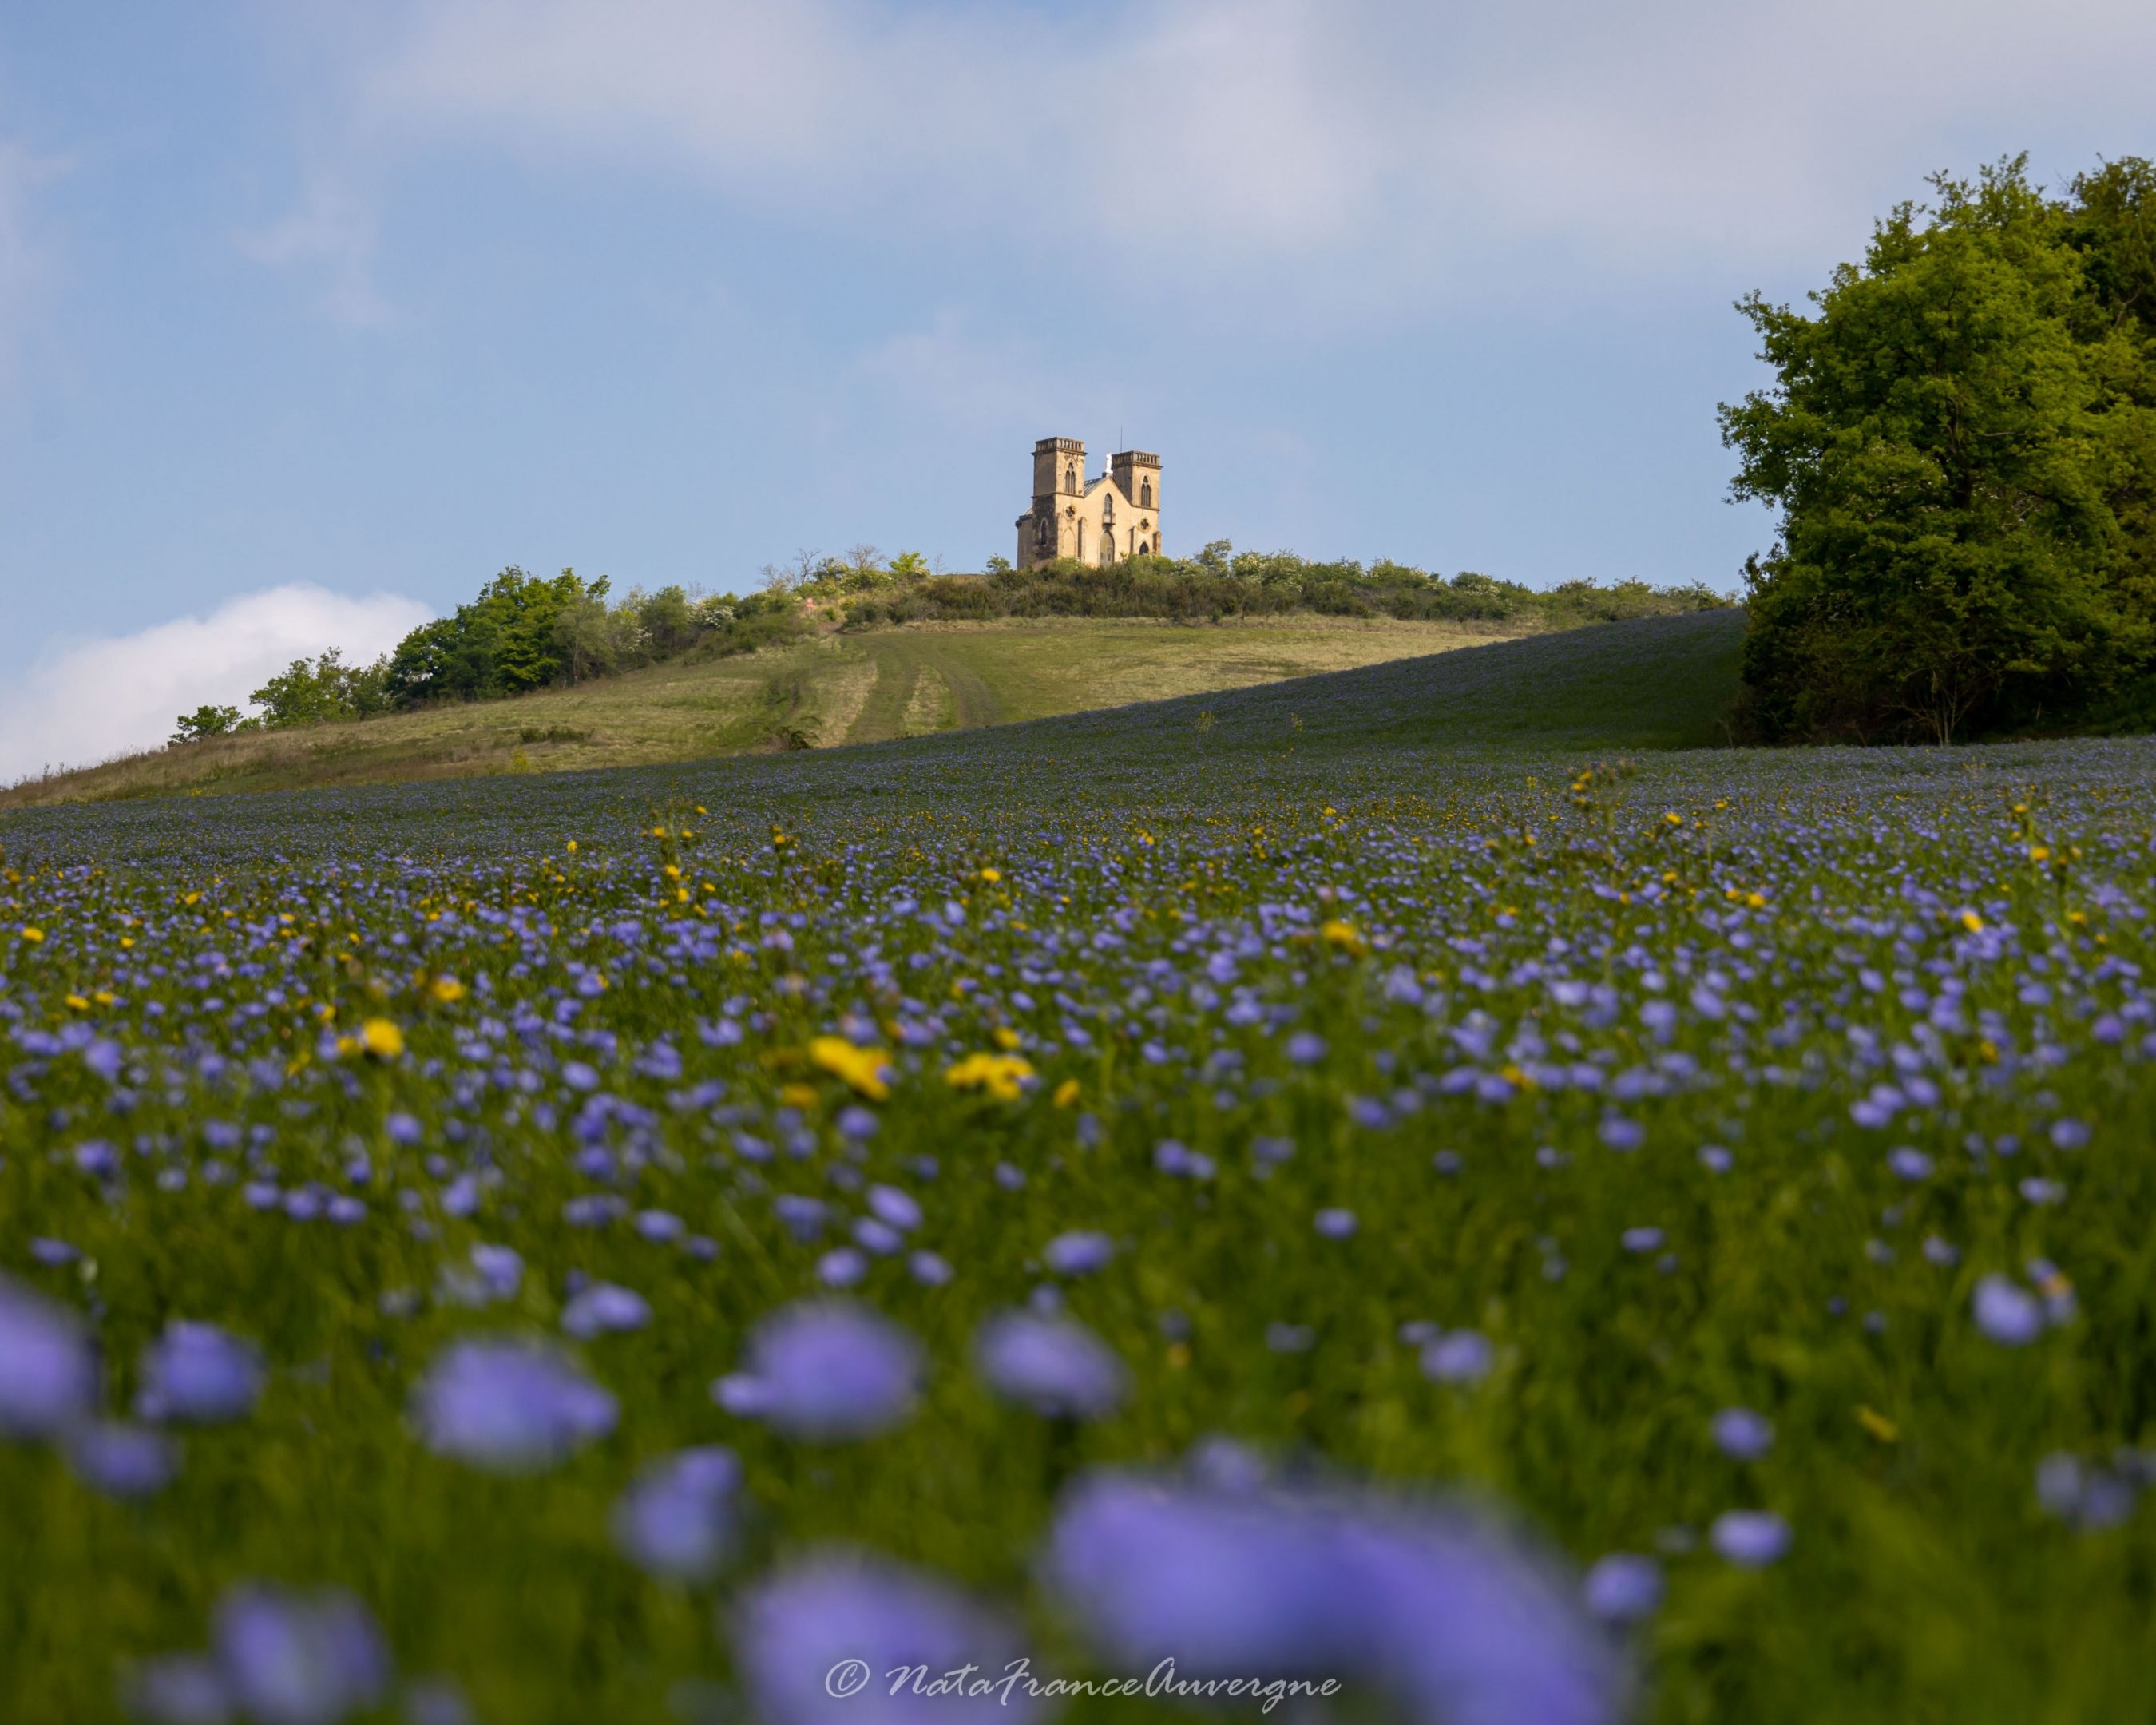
1961, 438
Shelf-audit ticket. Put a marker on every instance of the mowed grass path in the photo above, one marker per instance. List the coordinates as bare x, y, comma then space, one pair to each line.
836, 689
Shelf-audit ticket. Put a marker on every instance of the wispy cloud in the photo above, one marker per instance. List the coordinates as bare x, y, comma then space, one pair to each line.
100, 698
329, 240
25, 259
1388, 152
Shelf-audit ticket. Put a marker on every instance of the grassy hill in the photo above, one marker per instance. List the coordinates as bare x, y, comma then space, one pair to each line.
839, 688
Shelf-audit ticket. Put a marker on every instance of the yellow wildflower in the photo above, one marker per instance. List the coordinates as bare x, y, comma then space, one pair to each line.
992, 876
381, 1039
32, 935
1066, 1093
446, 989
1000, 1074
1343, 934
1006, 1038
1972, 922
862, 1068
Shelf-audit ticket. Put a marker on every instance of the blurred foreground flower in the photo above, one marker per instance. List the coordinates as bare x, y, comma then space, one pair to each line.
47, 1368
197, 1373
509, 1406
866, 1070
805, 1637
1054, 1365
1002, 1076
826, 1370
676, 1519
277, 1657
1446, 1613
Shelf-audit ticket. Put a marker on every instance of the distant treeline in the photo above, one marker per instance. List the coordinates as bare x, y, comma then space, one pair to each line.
525, 633
1221, 581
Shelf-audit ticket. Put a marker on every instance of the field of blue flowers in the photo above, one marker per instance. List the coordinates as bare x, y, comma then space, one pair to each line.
1519, 1239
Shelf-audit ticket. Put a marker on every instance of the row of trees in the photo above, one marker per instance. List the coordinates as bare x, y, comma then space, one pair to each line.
1222, 582
1961, 439
521, 632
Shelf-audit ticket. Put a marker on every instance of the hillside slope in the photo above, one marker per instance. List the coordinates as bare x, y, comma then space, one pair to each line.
1653, 683
1556, 702
867, 687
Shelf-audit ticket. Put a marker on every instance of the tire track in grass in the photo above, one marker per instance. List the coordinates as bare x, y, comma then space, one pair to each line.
882, 716
976, 703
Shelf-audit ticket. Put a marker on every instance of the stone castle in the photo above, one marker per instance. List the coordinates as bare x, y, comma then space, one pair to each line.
1102, 521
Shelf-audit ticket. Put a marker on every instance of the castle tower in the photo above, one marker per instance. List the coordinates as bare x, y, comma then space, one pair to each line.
1136, 474
1058, 467
1050, 529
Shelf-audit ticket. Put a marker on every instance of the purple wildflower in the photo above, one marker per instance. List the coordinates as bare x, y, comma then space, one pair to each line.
1078, 1254
676, 1518
47, 1368
827, 1371
299, 1659
2007, 1314
197, 1373
814, 1624
509, 1407
1054, 1365
603, 1309
1741, 1434
1750, 1538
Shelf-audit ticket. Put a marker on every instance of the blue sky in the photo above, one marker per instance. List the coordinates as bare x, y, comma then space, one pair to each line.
312, 316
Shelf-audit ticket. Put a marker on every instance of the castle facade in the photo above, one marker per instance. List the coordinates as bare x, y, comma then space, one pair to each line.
1099, 521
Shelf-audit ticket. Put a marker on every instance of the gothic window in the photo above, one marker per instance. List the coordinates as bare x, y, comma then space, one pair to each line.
1071, 479
1145, 494
1081, 542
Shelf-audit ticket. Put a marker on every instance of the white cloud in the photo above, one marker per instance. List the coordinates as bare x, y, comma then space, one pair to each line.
1384, 150
96, 699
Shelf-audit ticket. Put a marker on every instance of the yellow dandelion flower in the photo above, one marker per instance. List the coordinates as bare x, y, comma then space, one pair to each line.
798, 1096
863, 1069
1066, 1093
381, 1039
1343, 934
1972, 922
446, 989
992, 876
1005, 1038
1002, 1076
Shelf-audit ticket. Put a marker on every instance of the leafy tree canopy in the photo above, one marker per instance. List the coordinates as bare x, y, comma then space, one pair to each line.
1961, 438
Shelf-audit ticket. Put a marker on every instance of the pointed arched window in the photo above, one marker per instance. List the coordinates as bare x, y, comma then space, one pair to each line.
1071, 479
1145, 494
